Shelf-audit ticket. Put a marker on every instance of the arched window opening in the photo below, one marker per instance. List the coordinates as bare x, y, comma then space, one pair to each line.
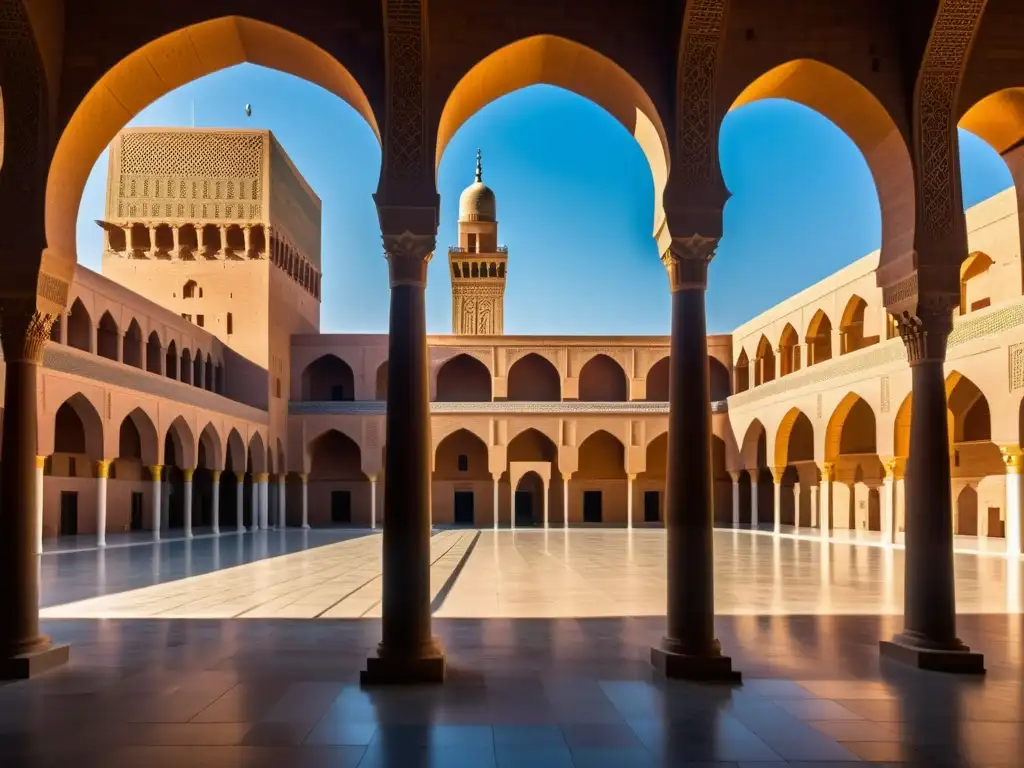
765, 363
171, 361
533, 378
80, 330
718, 378
657, 382
789, 351
381, 381
975, 283
742, 372
328, 378
190, 290
852, 332
108, 338
134, 347
463, 379
602, 380
819, 339
186, 366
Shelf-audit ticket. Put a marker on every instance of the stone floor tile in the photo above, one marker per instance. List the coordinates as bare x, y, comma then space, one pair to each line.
532, 756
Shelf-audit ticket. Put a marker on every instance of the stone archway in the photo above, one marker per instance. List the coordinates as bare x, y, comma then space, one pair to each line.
603, 380
533, 378
461, 483
851, 446
328, 378
339, 491
463, 379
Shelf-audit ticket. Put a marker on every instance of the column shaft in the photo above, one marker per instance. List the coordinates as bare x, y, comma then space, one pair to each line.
373, 503
187, 491
629, 503
215, 511
753, 498
305, 500
496, 504
240, 504
777, 499
1014, 499
825, 503
547, 493
736, 501
155, 472
102, 473
282, 509
40, 483
565, 502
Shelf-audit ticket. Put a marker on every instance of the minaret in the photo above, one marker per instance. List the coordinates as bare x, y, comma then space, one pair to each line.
478, 264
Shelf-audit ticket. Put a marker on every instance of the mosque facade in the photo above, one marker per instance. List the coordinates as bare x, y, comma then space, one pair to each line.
189, 386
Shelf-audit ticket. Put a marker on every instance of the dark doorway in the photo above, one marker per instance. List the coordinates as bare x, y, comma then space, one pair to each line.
341, 507
592, 507
874, 510
652, 506
135, 521
996, 527
68, 513
464, 508
524, 508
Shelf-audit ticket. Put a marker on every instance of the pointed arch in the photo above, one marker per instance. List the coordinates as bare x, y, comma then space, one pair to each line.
975, 282
78, 428
794, 439
108, 337
719, 385
80, 328
235, 456
186, 366
754, 448
532, 445
860, 115
657, 382
334, 456
134, 348
789, 351
852, 326
765, 361
463, 379
137, 438
603, 380
381, 381
969, 413
171, 361
463, 456
819, 338
180, 443
851, 428
533, 378
602, 456
212, 449
742, 369
257, 460
328, 378
551, 60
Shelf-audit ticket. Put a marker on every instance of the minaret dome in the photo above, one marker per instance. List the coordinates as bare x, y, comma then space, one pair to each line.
476, 203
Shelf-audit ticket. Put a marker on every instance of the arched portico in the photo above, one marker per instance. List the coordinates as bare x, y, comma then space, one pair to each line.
603, 380
462, 485
339, 490
533, 378
851, 448
463, 379
599, 491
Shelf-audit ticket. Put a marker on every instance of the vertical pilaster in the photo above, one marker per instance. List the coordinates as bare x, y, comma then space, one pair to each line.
754, 486
260, 497
547, 500
64, 328
373, 502
215, 510
247, 239
496, 501
187, 491
155, 472
735, 499
175, 242
565, 500
629, 503
777, 473
153, 250
828, 474
893, 471
689, 648
102, 473
24, 651
282, 509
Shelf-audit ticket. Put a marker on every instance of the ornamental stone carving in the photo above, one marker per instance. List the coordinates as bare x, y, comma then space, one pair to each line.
686, 261
405, 150
24, 332
408, 256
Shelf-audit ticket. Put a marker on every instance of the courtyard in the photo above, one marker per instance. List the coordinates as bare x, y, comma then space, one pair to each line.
245, 651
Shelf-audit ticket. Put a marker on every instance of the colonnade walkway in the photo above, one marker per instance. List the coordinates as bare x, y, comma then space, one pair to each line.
548, 637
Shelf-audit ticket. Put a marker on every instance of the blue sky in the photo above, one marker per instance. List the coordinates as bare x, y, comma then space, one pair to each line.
575, 203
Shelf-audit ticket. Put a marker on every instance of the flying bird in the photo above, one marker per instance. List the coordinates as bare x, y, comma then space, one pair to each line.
248, 110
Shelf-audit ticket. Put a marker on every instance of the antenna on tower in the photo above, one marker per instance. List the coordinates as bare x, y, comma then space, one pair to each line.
479, 167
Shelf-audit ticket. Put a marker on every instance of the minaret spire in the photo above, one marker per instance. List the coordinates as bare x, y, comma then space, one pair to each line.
479, 167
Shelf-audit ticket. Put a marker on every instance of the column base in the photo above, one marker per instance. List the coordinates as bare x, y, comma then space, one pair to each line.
34, 663
425, 669
305, 527
702, 669
957, 661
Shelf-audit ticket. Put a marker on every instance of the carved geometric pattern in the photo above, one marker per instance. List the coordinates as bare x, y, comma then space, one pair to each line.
206, 154
406, 153
884, 397
953, 30
1016, 367
696, 146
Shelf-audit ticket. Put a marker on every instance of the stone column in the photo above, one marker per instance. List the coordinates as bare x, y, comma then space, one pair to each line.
1014, 461
153, 251
893, 468
305, 500
373, 502
64, 328
175, 242
247, 238
102, 473
689, 648
629, 503
24, 652
129, 244
565, 501
408, 653
155, 472
240, 503
497, 478
187, 491
755, 476
282, 509
777, 473
735, 499
223, 241
40, 482
260, 512
929, 638
828, 474
511, 503
93, 336
547, 504
215, 512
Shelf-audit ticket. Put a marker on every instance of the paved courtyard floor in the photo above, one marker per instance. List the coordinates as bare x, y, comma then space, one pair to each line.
252, 658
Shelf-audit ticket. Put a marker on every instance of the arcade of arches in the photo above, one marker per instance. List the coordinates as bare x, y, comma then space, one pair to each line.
414, 94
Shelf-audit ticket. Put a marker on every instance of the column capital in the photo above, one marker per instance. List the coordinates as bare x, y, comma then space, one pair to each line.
215, 474
629, 476
155, 471
895, 467
188, 472
926, 332
24, 331
103, 468
777, 473
566, 476
304, 477
408, 256
828, 470
1013, 458
735, 474
686, 261
282, 477
260, 477
40, 462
